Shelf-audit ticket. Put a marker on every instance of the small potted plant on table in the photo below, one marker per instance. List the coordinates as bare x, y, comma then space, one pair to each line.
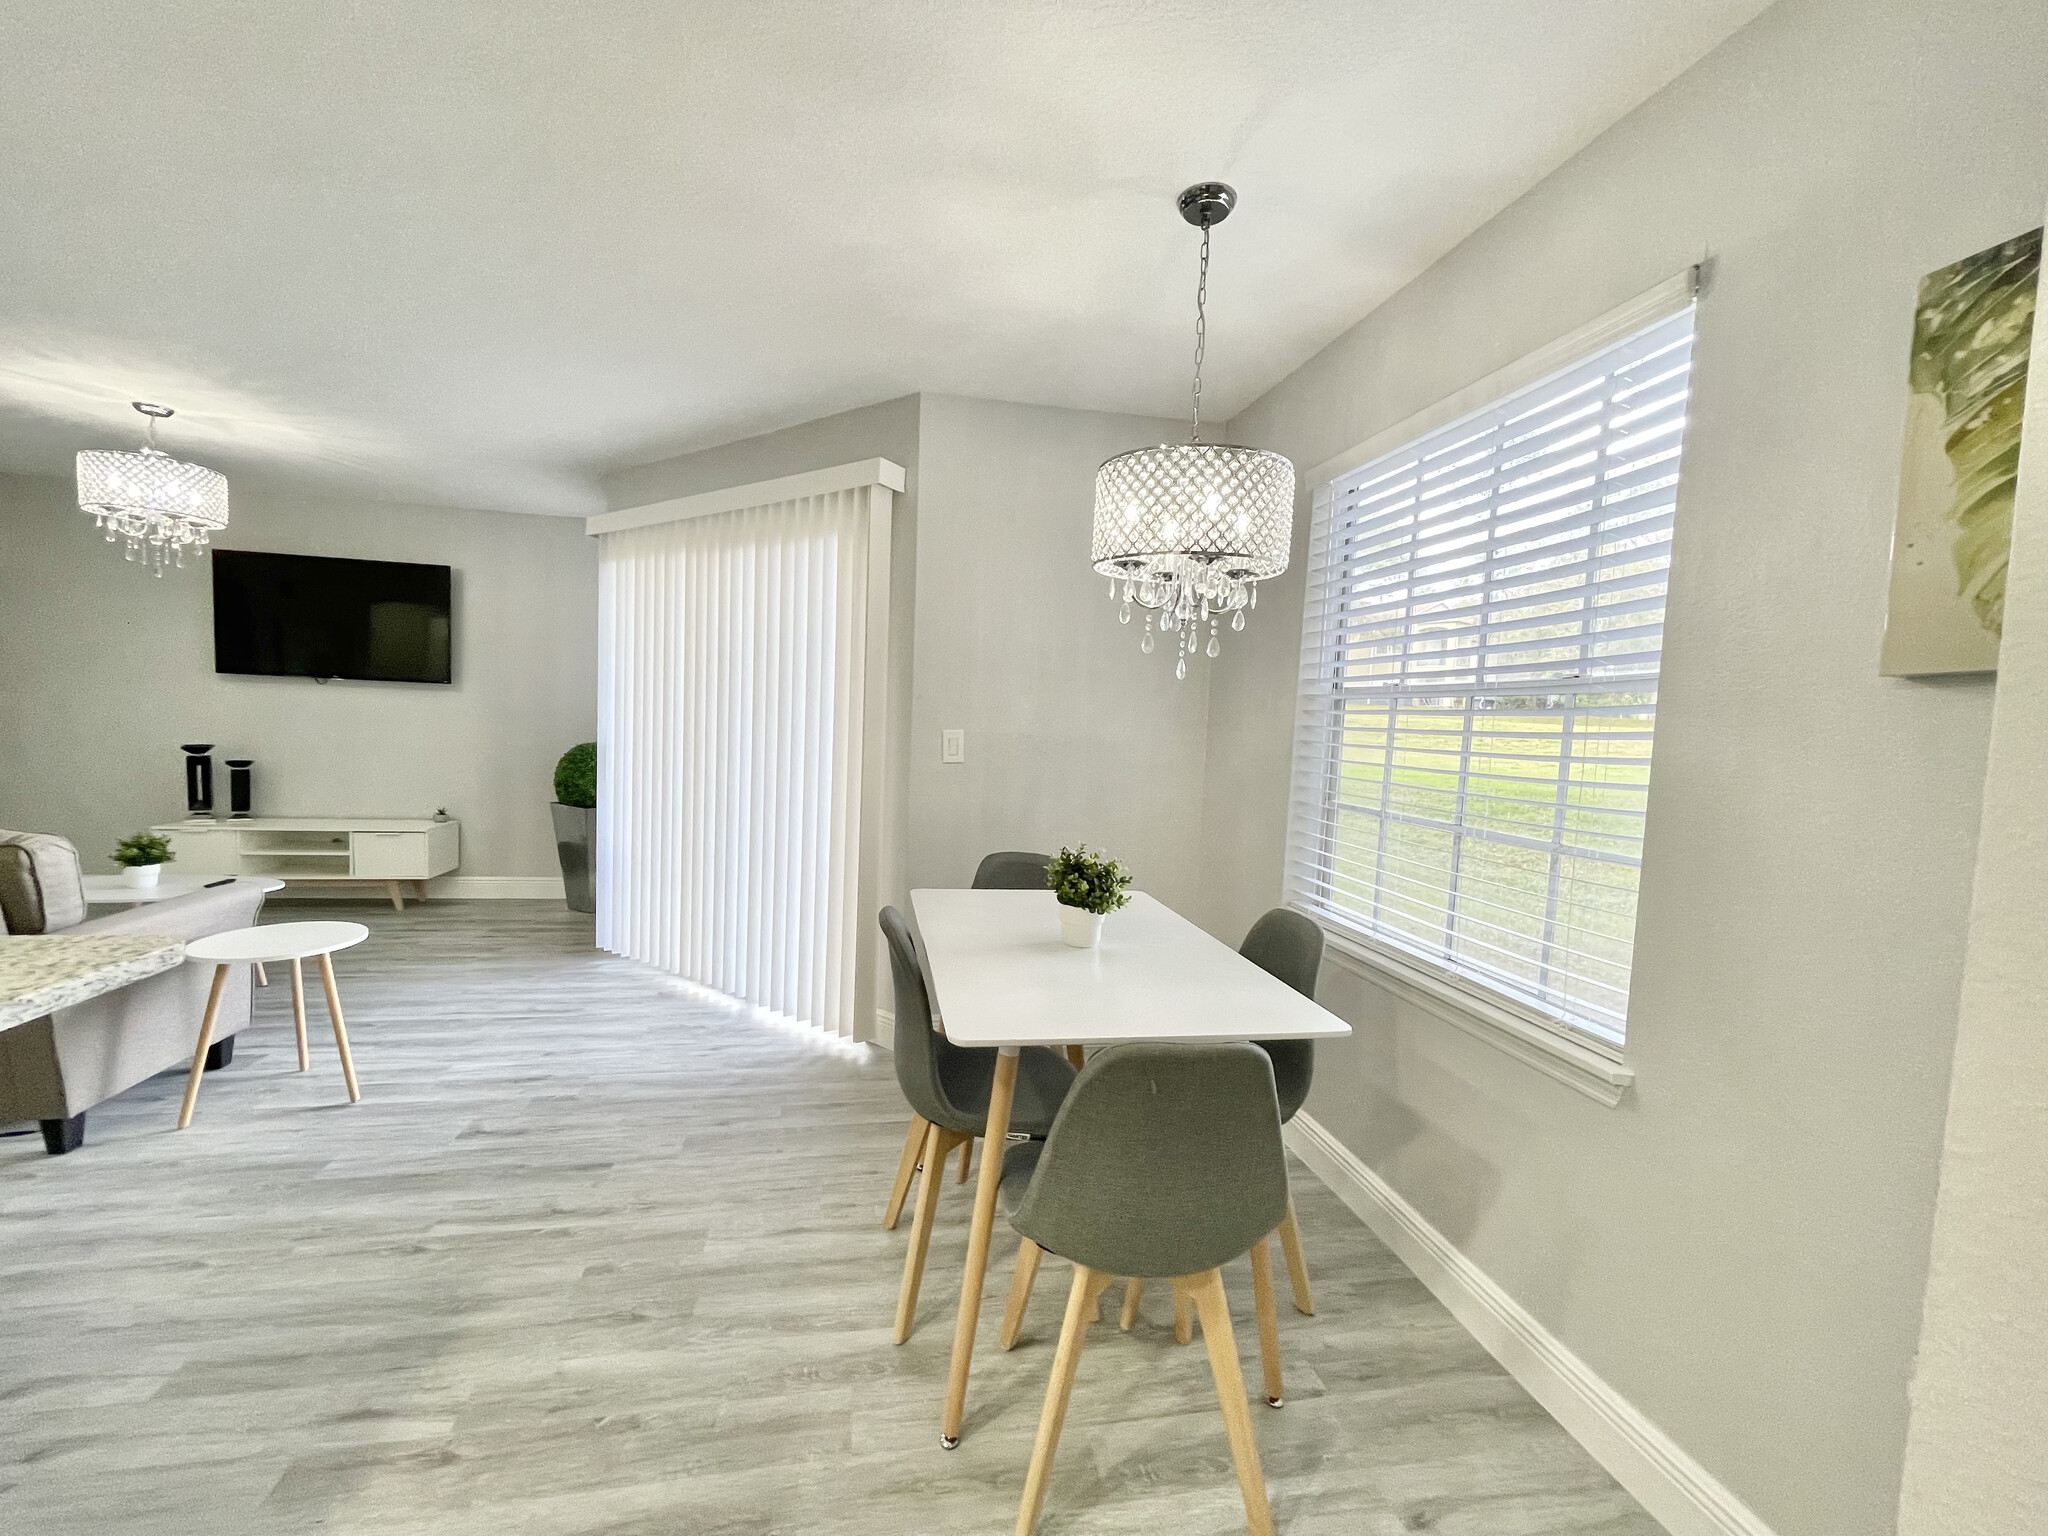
142, 858
1089, 888
575, 815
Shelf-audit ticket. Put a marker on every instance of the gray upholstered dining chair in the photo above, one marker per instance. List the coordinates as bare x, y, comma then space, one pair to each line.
1288, 946
1165, 1162
1012, 872
997, 872
948, 1086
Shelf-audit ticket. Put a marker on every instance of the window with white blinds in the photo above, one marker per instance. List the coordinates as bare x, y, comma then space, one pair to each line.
1480, 650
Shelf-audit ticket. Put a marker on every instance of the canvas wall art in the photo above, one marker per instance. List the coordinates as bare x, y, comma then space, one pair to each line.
1967, 387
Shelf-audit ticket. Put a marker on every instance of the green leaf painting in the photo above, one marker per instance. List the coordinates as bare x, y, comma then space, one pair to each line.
1971, 333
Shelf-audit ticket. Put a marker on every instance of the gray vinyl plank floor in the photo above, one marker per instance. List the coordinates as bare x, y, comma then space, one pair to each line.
599, 1253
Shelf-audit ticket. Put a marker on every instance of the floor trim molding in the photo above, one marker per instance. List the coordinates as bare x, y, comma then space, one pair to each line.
1677, 1490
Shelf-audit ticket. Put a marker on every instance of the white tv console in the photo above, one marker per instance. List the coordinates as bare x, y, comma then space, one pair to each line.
320, 850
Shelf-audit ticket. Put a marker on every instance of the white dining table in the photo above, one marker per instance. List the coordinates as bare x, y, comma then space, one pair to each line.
1001, 976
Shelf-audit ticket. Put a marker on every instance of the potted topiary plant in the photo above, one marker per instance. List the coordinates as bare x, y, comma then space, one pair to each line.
1088, 889
575, 814
142, 858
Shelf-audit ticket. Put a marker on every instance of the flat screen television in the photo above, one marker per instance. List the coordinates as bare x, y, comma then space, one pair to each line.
381, 621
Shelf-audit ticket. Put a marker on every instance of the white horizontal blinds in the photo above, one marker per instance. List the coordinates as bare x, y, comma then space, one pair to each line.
1480, 654
731, 662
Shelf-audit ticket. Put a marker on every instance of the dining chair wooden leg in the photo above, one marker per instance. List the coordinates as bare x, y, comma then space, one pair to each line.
966, 1159
262, 976
1133, 1289
913, 1144
1269, 1322
1297, 1266
299, 1010
1028, 1254
1081, 1299
220, 982
937, 1144
348, 1062
1183, 1317
1002, 1090
1206, 1291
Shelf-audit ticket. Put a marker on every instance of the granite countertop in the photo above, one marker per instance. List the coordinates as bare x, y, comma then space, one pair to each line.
42, 972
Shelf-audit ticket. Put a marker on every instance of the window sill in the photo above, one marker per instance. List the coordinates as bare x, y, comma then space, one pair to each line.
1595, 1073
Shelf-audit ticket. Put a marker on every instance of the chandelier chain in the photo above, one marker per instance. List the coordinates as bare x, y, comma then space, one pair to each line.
1201, 333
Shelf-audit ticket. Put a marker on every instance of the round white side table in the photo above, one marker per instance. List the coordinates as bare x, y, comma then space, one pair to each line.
272, 942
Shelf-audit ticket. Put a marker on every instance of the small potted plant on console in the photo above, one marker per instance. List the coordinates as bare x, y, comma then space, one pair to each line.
142, 858
1089, 888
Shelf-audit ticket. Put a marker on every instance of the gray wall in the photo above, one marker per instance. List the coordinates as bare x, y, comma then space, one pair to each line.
1073, 733
106, 670
1741, 1247
1976, 1459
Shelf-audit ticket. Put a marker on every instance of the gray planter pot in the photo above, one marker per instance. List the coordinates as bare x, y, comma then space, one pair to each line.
576, 845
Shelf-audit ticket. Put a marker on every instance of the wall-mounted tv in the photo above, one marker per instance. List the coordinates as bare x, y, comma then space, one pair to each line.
382, 621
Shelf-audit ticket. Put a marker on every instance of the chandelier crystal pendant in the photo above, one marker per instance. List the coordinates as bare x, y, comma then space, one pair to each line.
160, 505
1187, 531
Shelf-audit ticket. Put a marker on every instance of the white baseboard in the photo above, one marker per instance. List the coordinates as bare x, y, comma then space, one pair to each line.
445, 888
1677, 1490
497, 887
885, 1029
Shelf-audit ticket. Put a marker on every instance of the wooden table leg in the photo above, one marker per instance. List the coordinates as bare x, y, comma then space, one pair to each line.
1269, 1324
220, 982
348, 1062
1297, 1266
1001, 1091
1028, 1255
1081, 1308
913, 1148
1206, 1291
299, 1010
262, 976
1076, 1057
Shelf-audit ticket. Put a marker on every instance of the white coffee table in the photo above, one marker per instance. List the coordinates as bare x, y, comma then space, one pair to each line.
113, 891
272, 942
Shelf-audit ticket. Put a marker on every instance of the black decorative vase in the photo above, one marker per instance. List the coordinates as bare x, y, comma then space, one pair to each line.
198, 778
238, 784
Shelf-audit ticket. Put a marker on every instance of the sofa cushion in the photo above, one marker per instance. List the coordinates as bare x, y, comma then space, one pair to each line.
42, 886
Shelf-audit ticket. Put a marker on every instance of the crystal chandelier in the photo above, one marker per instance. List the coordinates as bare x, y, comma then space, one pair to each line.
162, 506
1187, 531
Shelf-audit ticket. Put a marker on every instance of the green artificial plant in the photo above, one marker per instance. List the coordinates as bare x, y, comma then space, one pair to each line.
576, 776
141, 849
1081, 879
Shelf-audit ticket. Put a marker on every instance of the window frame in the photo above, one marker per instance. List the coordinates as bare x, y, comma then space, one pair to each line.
1570, 1049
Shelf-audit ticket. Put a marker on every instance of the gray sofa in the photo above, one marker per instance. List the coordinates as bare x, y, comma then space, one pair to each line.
57, 1067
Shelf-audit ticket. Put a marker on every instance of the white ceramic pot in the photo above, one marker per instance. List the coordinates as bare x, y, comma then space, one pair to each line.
140, 874
1078, 928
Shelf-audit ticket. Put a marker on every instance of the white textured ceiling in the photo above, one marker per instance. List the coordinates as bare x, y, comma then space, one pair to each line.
480, 253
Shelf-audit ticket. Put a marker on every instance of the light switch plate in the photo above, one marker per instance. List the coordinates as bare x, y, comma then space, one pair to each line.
953, 746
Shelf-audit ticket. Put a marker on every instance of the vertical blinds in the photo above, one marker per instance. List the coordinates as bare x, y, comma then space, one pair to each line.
731, 659
1480, 653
